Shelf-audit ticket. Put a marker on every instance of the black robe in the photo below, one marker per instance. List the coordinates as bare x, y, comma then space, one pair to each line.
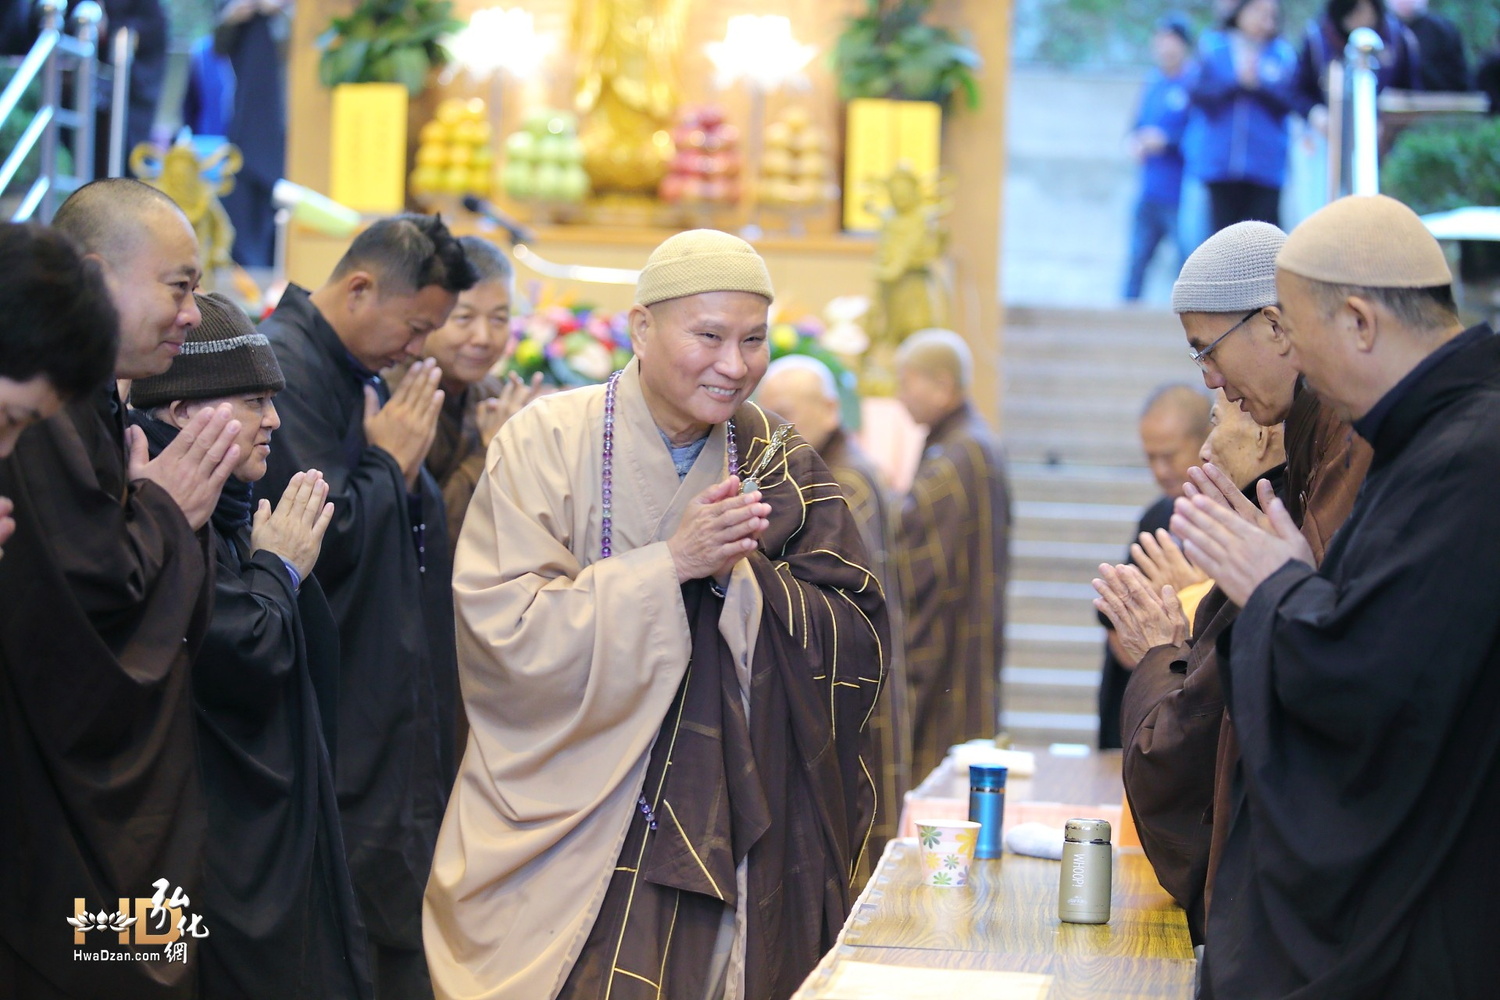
277, 897
105, 592
385, 569
1361, 861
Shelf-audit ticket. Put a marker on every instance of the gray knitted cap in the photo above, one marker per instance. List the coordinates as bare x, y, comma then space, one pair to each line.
1234, 271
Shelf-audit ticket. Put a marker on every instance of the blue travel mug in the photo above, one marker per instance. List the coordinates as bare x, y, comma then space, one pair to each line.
987, 807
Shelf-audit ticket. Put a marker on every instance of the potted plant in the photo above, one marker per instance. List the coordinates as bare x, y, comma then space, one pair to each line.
387, 41
376, 60
890, 52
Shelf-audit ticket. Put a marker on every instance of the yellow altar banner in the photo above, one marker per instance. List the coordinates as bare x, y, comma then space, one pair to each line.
368, 149
879, 135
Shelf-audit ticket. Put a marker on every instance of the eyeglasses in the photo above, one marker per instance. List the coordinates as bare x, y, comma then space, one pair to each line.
1200, 358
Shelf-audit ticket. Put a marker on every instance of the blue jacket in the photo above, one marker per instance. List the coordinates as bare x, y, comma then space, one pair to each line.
1164, 105
1238, 134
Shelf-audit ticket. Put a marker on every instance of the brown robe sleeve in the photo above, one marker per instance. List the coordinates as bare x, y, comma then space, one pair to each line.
1170, 718
106, 592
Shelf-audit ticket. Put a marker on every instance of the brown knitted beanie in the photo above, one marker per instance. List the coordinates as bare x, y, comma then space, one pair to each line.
223, 356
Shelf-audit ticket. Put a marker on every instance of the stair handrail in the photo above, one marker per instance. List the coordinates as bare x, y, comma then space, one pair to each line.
45, 62
1354, 118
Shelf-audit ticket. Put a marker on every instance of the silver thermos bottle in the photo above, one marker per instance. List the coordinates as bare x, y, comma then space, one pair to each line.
1084, 886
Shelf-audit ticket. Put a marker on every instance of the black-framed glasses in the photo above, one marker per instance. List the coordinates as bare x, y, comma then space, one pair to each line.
1200, 358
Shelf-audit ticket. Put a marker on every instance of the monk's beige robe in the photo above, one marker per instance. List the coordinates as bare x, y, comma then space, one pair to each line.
568, 665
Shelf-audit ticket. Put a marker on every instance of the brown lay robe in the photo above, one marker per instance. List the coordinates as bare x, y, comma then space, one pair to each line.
594, 683
106, 593
890, 726
953, 556
1179, 743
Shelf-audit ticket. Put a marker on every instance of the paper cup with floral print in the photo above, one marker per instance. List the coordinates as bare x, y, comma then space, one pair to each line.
945, 848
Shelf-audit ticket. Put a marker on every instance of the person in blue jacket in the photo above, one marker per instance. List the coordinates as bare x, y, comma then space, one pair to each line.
1156, 141
1242, 91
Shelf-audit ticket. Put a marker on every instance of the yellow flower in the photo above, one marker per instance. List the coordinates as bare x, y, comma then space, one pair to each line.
966, 839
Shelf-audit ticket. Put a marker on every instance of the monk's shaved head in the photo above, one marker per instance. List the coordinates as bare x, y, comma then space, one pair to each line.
1174, 423
802, 389
940, 353
1186, 404
109, 217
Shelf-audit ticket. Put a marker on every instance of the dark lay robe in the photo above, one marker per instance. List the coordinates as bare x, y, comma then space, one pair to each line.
787, 791
105, 591
385, 569
1180, 747
1114, 675
1361, 859
277, 897
953, 553
890, 724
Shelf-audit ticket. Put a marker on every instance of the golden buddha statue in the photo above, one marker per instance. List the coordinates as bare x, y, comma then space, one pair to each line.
909, 295
627, 89
182, 176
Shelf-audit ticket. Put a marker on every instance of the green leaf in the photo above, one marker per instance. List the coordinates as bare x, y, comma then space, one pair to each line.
409, 68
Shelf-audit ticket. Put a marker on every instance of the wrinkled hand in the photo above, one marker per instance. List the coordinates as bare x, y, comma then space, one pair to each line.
406, 425
1237, 554
1144, 618
294, 530
1162, 563
7, 523
721, 527
492, 414
193, 468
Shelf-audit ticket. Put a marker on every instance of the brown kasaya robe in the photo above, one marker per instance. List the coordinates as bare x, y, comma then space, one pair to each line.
1179, 743
890, 725
953, 558
105, 593
663, 792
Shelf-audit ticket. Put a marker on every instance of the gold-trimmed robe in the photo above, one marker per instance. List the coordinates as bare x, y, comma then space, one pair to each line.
953, 554
571, 667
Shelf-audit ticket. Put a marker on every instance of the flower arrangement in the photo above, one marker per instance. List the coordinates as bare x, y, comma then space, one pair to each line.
569, 345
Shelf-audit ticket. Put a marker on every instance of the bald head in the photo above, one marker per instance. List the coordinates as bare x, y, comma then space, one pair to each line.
934, 369
148, 253
109, 218
1174, 423
802, 390
1366, 294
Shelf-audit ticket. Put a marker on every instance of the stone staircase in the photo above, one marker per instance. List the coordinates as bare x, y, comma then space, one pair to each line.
1074, 383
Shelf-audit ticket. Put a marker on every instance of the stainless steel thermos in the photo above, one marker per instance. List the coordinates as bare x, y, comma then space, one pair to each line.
987, 807
1084, 886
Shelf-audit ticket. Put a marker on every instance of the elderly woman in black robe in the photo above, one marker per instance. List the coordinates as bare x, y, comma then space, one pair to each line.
278, 906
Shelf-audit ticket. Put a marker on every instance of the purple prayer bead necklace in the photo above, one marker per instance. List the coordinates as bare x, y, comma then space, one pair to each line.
606, 528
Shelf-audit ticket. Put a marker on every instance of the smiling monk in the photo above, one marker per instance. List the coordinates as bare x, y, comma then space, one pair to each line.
669, 645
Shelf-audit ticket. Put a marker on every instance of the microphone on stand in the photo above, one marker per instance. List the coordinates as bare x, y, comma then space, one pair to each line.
483, 209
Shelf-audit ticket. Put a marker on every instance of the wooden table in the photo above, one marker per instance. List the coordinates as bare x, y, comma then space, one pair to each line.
1006, 918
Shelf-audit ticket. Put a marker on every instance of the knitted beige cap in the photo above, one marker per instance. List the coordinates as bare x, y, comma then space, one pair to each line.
1371, 241
702, 260
1234, 271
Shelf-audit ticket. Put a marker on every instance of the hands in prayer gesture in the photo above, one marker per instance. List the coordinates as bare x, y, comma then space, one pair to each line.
492, 414
294, 530
407, 424
1162, 563
193, 468
1234, 543
1143, 617
721, 527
